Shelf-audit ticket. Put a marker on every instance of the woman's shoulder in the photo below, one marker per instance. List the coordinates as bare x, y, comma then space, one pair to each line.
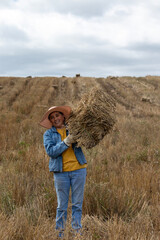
50, 131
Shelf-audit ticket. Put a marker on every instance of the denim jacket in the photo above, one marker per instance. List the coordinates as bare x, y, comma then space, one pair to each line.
54, 147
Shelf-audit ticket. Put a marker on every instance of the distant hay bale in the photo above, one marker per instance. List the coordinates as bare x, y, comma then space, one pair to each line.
145, 99
93, 118
78, 75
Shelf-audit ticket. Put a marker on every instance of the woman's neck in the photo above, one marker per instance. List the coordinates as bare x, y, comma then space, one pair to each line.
61, 127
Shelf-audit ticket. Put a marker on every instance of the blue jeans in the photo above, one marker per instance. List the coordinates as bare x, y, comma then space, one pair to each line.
63, 182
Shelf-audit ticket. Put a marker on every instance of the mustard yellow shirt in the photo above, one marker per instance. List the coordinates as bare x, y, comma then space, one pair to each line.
70, 162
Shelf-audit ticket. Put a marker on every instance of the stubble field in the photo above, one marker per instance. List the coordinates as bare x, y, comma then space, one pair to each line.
122, 193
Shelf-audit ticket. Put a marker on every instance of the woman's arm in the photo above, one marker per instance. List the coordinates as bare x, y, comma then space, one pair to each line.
53, 149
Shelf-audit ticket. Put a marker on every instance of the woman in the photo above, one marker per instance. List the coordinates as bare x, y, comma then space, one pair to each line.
68, 164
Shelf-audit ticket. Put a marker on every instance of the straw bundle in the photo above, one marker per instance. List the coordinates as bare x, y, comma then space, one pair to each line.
93, 118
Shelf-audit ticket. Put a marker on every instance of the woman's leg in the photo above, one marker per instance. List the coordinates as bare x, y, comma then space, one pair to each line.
62, 186
77, 186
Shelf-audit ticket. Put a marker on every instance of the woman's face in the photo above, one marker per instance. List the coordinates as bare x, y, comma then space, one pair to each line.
57, 119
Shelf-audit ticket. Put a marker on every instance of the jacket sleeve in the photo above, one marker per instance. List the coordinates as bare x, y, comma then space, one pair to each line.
52, 148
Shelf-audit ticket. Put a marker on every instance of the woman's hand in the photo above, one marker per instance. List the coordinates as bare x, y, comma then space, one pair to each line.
69, 140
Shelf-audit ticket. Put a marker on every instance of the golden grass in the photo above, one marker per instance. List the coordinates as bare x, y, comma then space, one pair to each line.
93, 118
122, 199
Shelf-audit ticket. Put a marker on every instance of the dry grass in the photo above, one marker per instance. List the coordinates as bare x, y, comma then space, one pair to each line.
93, 118
122, 194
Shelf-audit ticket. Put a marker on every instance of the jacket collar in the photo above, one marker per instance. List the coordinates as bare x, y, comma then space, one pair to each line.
53, 129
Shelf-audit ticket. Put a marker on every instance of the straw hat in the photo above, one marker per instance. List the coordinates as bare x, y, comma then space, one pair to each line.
45, 122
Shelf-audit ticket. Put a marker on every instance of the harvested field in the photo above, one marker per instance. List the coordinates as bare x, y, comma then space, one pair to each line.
122, 192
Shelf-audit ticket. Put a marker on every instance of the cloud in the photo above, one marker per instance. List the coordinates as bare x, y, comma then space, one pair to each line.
94, 62
145, 47
95, 38
10, 34
6, 3
83, 8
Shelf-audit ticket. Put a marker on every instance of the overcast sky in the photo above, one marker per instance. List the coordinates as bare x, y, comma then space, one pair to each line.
95, 38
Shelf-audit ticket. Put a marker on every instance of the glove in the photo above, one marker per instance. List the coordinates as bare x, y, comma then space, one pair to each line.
69, 140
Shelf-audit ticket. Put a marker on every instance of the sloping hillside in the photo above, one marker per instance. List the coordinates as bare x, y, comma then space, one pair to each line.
122, 191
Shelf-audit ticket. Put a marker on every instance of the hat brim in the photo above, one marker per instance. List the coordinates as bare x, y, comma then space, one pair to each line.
45, 122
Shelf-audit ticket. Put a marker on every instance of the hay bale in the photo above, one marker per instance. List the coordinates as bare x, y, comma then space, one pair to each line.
78, 75
93, 118
145, 99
